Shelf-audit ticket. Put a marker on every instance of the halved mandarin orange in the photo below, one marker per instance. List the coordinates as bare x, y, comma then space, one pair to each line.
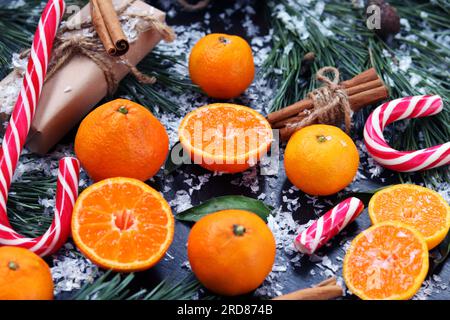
419, 207
122, 224
225, 137
388, 261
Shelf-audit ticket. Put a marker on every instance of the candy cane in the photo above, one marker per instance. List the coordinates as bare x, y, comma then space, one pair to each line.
329, 225
404, 161
57, 234
15, 136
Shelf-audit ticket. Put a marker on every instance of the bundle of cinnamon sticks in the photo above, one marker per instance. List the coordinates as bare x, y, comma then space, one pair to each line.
364, 89
108, 27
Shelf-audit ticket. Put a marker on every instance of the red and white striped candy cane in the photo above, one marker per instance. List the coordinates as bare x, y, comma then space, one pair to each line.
59, 231
329, 225
15, 136
404, 161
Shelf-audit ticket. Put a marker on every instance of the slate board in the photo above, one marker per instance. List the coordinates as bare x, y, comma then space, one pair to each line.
295, 277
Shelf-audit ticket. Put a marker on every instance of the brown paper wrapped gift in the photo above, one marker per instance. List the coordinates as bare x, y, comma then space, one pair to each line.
80, 84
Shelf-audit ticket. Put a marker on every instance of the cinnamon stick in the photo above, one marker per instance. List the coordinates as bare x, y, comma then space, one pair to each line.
318, 293
290, 111
323, 291
363, 77
365, 98
364, 87
357, 101
327, 282
357, 95
105, 16
100, 28
285, 122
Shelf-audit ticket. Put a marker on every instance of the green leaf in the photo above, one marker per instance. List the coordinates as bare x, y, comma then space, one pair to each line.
224, 203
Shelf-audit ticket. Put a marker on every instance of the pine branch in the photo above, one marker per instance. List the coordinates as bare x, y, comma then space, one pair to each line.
352, 48
283, 65
185, 289
106, 288
26, 214
160, 66
118, 288
16, 31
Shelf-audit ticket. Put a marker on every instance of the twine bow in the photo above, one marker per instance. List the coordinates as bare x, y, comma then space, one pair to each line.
330, 102
91, 47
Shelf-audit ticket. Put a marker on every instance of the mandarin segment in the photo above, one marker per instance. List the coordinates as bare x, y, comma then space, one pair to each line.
130, 229
128, 250
107, 245
386, 261
93, 232
94, 216
419, 207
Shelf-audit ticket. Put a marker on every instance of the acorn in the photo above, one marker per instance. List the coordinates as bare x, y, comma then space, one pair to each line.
307, 62
390, 20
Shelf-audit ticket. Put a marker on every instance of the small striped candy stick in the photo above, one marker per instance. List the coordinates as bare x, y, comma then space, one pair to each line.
329, 225
404, 161
16, 134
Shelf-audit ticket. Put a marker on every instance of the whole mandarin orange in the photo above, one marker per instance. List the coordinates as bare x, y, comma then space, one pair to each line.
321, 160
24, 275
121, 139
222, 65
231, 252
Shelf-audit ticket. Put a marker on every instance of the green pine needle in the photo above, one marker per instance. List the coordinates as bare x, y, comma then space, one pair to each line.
184, 289
159, 65
25, 213
106, 288
118, 288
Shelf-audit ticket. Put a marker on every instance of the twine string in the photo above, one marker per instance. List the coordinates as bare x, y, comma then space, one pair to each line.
330, 102
66, 48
